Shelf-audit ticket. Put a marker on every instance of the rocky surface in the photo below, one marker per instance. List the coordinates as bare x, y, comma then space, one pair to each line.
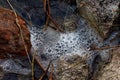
111, 71
72, 67
105, 12
70, 47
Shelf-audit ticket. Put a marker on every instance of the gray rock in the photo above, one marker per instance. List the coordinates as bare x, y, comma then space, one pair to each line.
105, 11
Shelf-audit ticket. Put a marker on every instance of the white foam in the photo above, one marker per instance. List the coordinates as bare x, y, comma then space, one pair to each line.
53, 44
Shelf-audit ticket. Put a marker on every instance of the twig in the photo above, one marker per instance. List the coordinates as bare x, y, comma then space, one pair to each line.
38, 61
46, 24
45, 5
105, 47
47, 11
51, 73
21, 33
33, 61
45, 73
114, 25
55, 23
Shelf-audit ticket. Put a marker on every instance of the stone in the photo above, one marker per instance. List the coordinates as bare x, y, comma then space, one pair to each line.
72, 67
111, 71
10, 37
105, 12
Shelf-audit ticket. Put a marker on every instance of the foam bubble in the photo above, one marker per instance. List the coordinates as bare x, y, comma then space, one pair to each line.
54, 44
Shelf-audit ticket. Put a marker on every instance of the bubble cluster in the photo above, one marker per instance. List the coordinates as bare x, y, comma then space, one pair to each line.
53, 44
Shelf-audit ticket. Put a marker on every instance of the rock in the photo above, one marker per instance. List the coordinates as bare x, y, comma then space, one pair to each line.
70, 23
111, 71
78, 38
10, 37
72, 67
105, 12
86, 12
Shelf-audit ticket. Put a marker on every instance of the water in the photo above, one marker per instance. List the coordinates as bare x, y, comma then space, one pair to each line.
52, 44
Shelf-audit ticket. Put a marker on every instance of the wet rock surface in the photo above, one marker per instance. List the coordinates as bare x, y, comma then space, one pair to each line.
103, 8
105, 11
72, 67
60, 47
111, 71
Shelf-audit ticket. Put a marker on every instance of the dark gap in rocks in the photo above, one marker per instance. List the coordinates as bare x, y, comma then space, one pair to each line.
96, 66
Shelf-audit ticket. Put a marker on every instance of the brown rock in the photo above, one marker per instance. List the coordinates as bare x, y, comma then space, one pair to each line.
10, 38
111, 71
72, 67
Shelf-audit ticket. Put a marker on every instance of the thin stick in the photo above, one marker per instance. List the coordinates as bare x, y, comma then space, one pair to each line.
55, 23
46, 24
45, 73
51, 73
33, 61
38, 61
47, 11
114, 25
21, 33
45, 5
105, 47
